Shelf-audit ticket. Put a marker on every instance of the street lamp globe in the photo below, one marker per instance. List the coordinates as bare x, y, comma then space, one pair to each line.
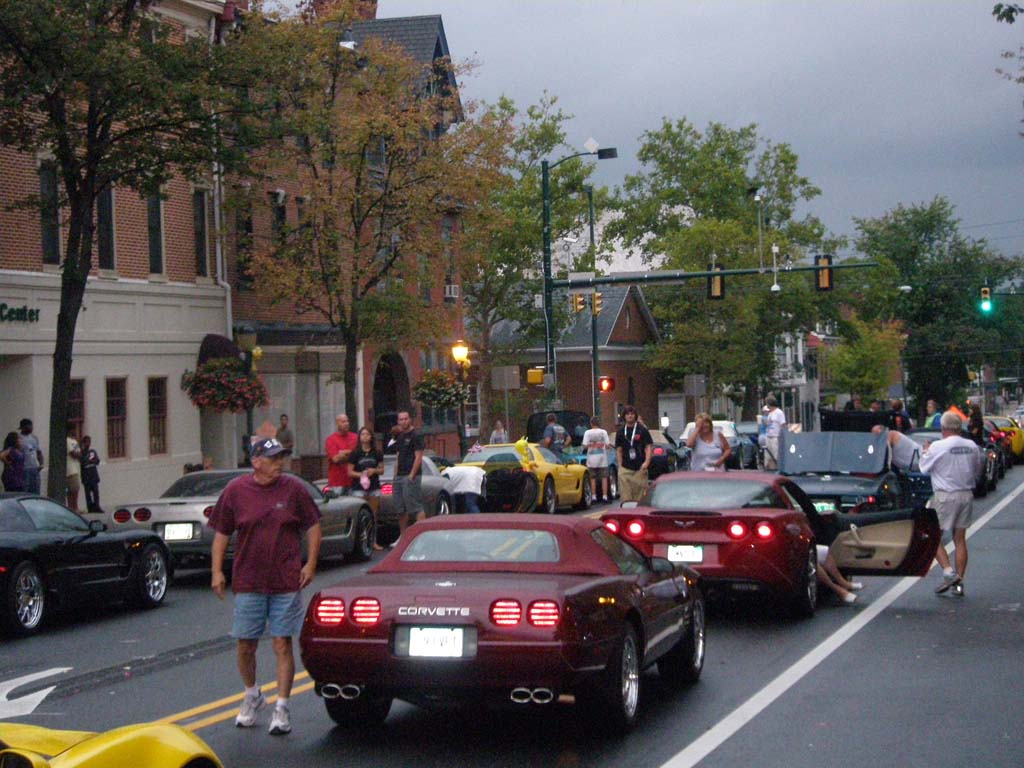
460, 352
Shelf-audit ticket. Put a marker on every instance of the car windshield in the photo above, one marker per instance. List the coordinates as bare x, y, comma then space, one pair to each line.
726, 493
832, 452
747, 427
200, 484
483, 545
494, 454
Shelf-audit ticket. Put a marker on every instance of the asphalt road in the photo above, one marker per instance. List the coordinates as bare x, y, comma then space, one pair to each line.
902, 678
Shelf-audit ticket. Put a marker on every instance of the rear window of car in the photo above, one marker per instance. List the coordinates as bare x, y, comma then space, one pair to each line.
13, 518
200, 484
709, 494
483, 545
496, 454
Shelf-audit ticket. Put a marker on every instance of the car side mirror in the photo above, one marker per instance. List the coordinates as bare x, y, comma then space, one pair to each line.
662, 566
97, 526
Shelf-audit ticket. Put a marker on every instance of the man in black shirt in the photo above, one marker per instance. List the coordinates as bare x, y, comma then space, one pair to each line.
407, 489
633, 451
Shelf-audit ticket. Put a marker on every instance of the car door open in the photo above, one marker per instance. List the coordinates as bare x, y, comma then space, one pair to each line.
889, 543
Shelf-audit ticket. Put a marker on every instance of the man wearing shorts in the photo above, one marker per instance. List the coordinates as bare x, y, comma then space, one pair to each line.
407, 488
953, 463
268, 512
595, 441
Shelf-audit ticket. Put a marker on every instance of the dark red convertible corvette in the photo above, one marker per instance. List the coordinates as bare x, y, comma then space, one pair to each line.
756, 532
506, 609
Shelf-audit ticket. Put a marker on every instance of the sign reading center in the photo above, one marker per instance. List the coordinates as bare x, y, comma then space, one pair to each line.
22, 314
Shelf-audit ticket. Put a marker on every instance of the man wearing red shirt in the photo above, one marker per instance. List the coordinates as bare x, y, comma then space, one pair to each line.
340, 445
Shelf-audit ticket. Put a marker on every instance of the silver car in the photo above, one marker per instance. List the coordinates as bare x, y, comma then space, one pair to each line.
181, 514
436, 489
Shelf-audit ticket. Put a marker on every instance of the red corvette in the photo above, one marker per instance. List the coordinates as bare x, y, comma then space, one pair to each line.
756, 532
504, 608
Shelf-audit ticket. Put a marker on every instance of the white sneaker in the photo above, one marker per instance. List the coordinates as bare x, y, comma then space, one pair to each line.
246, 717
280, 723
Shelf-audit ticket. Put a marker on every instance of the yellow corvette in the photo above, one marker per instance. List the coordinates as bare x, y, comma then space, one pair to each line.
1013, 429
147, 745
523, 477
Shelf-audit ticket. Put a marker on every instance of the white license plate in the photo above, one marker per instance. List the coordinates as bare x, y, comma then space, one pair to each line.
177, 531
435, 642
825, 506
686, 553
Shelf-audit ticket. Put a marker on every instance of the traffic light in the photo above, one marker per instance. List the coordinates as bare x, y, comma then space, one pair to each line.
986, 300
606, 384
716, 283
823, 276
578, 302
595, 302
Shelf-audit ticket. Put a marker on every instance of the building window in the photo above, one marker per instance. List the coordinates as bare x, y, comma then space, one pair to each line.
157, 393
76, 407
300, 212
279, 220
425, 282
105, 229
49, 211
243, 246
117, 418
155, 228
199, 228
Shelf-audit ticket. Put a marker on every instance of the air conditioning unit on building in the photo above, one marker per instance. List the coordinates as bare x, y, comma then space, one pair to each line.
451, 292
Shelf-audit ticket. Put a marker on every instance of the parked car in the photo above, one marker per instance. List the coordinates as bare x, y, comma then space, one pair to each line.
728, 430
522, 477
435, 487
667, 455
181, 514
1004, 440
755, 532
51, 557
922, 483
504, 610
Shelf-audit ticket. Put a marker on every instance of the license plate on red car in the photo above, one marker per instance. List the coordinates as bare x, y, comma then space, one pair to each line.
686, 553
436, 642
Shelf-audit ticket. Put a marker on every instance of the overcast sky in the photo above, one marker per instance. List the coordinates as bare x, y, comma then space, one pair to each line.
885, 102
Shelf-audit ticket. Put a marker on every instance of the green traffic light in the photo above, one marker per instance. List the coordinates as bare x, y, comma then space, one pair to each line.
986, 305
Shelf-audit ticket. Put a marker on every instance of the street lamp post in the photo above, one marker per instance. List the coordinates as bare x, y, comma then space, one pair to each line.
246, 341
460, 353
607, 153
595, 362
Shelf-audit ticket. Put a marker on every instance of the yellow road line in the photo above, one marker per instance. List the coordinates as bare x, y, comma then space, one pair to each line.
232, 711
179, 716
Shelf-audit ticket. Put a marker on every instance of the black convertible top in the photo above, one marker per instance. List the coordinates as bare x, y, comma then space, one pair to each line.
832, 453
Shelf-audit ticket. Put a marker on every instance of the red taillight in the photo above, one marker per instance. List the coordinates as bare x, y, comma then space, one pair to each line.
659, 451
122, 516
330, 611
365, 610
543, 613
207, 512
386, 489
871, 499
737, 530
764, 530
612, 525
142, 515
635, 528
506, 613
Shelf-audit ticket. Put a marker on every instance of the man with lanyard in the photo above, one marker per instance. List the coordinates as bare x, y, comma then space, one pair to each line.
952, 463
340, 445
633, 449
775, 422
407, 487
554, 436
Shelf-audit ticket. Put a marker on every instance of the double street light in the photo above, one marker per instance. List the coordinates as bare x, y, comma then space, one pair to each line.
607, 153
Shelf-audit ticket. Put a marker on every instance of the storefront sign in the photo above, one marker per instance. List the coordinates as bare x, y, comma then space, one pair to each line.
22, 314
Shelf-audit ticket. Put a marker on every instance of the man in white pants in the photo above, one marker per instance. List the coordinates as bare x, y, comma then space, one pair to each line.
775, 422
953, 463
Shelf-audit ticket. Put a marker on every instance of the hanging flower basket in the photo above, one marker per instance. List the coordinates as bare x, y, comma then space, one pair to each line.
441, 390
224, 385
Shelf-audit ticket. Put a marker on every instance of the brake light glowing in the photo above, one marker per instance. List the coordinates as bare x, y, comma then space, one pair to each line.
764, 530
543, 613
365, 610
207, 512
737, 530
330, 611
659, 451
871, 499
612, 525
386, 489
635, 528
506, 613
122, 516
142, 514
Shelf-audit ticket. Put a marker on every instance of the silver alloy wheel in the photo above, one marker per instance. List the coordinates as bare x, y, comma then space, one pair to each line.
812, 576
698, 634
366, 532
586, 493
155, 579
613, 484
550, 497
443, 506
630, 676
29, 597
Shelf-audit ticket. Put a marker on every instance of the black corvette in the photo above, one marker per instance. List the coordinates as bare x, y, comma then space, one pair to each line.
50, 557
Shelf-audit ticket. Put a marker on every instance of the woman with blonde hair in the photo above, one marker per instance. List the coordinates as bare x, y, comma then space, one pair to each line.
709, 448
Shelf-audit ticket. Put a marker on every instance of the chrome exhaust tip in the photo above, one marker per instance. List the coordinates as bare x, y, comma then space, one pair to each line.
330, 690
521, 695
350, 692
542, 696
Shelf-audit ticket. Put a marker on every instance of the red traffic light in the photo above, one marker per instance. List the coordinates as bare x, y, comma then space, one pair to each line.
606, 384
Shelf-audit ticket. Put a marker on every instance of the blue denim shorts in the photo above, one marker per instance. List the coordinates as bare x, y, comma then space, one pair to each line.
254, 611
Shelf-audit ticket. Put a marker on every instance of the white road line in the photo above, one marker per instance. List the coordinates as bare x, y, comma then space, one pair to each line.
748, 710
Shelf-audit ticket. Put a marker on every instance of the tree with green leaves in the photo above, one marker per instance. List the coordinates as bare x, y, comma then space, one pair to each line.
118, 96
697, 201
867, 360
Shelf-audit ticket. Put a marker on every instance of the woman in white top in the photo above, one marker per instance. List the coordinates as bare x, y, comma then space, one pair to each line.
709, 449
498, 434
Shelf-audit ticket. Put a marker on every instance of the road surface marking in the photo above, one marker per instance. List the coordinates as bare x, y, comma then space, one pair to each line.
25, 705
232, 711
712, 739
178, 717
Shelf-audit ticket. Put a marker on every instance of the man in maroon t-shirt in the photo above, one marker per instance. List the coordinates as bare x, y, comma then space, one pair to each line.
268, 512
339, 447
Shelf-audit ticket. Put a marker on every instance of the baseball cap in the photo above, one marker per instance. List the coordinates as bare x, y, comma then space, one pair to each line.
267, 447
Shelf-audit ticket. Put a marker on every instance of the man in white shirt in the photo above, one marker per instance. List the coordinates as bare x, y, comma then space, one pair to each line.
775, 422
467, 482
953, 463
595, 441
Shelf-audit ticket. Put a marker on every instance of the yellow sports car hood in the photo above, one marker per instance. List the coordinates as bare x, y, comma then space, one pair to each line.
42, 741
